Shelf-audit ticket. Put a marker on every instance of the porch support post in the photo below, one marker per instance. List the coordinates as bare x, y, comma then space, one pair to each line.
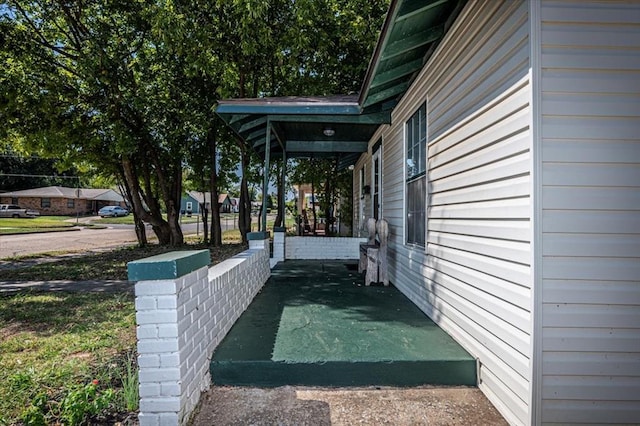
282, 188
265, 184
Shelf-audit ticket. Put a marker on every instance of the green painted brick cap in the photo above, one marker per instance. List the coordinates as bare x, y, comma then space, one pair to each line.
168, 265
252, 236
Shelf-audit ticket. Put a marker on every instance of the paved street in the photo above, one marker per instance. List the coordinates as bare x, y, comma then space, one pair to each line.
84, 239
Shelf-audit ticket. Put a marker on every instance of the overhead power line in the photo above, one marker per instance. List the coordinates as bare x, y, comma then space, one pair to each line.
39, 176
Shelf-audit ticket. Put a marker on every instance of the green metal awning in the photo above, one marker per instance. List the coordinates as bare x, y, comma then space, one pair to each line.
304, 126
341, 126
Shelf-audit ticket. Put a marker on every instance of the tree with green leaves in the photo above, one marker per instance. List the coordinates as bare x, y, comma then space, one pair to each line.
131, 90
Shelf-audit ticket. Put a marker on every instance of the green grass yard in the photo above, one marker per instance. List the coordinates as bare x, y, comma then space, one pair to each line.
69, 358
54, 346
39, 224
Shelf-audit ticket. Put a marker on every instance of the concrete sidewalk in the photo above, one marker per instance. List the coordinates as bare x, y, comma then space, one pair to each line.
289, 405
110, 286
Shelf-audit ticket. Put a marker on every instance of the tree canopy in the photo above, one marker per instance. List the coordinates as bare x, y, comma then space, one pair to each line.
131, 91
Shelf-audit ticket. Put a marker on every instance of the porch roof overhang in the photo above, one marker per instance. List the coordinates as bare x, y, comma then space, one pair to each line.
329, 126
296, 125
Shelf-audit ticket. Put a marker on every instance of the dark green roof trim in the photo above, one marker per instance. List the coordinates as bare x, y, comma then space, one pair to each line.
297, 124
326, 146
289, 109
410, 33
416, 41
376, 118
398, 72
387, 93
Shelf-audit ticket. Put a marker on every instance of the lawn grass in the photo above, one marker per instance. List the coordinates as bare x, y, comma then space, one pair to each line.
128, 220
109, 265
39, 224
54, 345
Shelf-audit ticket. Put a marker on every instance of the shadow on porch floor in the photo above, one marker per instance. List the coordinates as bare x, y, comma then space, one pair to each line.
315, 324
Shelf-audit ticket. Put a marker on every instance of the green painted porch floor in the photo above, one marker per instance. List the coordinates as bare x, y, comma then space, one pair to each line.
315, 324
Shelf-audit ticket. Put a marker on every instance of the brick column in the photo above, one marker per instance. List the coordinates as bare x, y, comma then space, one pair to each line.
278, 244
167, 314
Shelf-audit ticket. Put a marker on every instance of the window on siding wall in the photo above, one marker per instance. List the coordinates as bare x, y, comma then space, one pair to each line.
45, 202
416, 160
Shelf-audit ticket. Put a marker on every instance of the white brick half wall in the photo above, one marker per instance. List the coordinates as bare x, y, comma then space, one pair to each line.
323, 247
180, 323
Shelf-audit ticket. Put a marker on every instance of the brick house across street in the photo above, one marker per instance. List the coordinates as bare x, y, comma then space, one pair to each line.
60, 200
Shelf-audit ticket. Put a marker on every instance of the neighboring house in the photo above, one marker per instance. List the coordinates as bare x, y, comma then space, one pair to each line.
509, 172
192, 201
60, 200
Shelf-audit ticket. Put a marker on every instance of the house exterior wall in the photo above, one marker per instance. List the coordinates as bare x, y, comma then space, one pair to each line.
195, 205
590, 161
363, 206
58, 206
473, 277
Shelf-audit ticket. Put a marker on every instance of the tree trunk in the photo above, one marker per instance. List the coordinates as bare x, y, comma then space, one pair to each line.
244, 209
160, 227
279, 184
205, 219
141, 231
313, 206
172, 194
328, 190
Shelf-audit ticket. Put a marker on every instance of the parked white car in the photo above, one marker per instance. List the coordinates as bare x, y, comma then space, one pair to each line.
15, 211
113, 211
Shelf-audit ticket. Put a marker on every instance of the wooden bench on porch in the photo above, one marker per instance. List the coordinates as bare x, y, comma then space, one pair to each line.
373, 253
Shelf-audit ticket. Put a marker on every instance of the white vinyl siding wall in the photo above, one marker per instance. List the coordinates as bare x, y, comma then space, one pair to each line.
590, 212
473, 277
359, 227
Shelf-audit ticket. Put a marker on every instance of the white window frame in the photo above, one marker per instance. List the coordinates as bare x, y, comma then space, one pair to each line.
415, 177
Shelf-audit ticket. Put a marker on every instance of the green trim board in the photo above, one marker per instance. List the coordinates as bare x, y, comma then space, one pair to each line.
168, 265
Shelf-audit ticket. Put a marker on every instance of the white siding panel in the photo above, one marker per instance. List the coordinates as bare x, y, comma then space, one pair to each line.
510, 167
504, 209
590, 212
473, 278
600, 268
602, 364
604, 340
590, 151
589, 81
508, 271
512, 251
583, 412
603, 59
592, 104
590, 292
592, 174
592, 198
603, 13
513, 231
590, 387
614, 245
591, 221
513, 409
591, 316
